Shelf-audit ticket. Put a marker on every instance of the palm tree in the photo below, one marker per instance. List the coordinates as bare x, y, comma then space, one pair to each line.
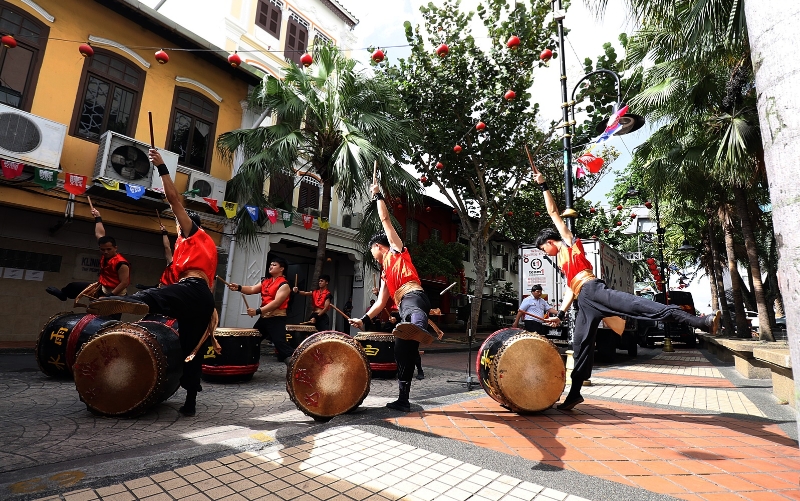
331, 120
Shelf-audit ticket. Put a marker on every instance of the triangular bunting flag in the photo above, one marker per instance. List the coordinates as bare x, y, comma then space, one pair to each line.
287, 218
46, 178
109, 184
323, 223
308, 221
11, 169
253, 211
272, 215
579, 172
134, 191
230, 209
212, 202
75, 183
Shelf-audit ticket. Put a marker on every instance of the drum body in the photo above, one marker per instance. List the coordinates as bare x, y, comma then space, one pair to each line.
125, 369
60, 339
521, 370
328, 375
379, 347
238, 361
296, 334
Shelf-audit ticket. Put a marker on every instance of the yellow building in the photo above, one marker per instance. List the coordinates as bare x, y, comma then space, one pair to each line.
62, 113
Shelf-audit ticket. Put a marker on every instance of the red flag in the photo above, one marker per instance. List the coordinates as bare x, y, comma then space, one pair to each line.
212, 202
308, 221
272, 215
11, 169
75, 183
593, 163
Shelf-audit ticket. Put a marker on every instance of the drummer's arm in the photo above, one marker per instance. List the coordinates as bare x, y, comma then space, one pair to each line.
380, 303
326, 308
280, 296
569, 296
246, 289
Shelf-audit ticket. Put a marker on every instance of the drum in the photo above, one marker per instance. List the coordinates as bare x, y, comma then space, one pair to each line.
238, 361
328, 375
296, 334
521, 370
379, 347
162, 319
125, 369
61, 337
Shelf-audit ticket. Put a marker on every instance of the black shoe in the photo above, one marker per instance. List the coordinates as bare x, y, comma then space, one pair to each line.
569, 403
399, 405
188, 411
55, 291
409, 331
712, 322
420, 375
112, 305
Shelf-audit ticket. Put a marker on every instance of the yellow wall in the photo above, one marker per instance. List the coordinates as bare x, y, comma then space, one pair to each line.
57, 88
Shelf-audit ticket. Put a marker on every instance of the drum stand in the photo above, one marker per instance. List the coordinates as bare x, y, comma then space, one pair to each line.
468, 382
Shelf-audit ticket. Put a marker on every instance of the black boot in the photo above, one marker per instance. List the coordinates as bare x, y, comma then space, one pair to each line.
55, 291
402, 403
573, 397
189, 407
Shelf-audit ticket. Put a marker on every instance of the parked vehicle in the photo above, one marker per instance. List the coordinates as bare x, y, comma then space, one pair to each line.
649, 333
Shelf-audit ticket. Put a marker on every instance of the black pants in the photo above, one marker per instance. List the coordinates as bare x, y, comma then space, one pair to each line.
537, 327
72, 289
323, 323
414, 308
596, 301
191, 303
274, 329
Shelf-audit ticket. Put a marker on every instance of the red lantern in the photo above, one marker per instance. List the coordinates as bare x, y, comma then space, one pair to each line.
306, 59
510, 95
442, 50
378, 56
480, 126
439, 165
648, 204
428, 208
619, 207
86, 50
546, 55
510, 213
457, 149
619, 223
537, 213
423, 179
605, 231
594, 237
8, 41
651, 260
513, 42
592, 210
234, 60
633, 216
162, 57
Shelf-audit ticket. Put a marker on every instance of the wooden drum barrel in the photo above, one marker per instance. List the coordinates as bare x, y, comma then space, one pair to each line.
521, 370
379, 347
238, 361
62, 335
296, 334
328, 375
126, 369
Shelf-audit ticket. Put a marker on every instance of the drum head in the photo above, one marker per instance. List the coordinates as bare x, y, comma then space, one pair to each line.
528, 372
328, 375
119, 369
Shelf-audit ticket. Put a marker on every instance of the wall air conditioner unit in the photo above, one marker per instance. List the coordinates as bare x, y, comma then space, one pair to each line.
30, 139
352, 221
201, 186
499, 274
124, 159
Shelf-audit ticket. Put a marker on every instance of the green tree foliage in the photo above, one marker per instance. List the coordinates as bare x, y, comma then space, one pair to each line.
434, 258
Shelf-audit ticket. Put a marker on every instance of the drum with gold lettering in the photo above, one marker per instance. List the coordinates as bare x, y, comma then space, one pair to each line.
521, 370
125, 369
238, 361
296, 334
379, 347
328, 375
61, 337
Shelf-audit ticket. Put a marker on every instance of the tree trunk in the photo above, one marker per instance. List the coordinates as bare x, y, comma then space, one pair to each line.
480, 277
773, 35
322, 238
711, 271
727, 324
772, 276
742, 326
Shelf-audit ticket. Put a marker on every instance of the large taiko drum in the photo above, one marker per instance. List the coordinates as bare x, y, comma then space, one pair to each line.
328, 375
521, 370
296, 334
238, 361
125, 369
379, 347
62, 335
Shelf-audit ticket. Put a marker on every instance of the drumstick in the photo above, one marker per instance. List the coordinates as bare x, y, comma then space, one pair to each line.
223, 280
152, 140
534, 316
159, 220
91, 207
245, 301
243, 296
530, 160
375, 172
295, 279
341, 312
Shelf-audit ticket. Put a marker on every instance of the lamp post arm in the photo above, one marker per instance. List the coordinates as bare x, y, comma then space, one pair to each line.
585, 77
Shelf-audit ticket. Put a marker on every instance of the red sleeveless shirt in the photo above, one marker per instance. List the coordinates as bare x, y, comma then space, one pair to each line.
269, 289
319, 296
572, 260
198, 252
108, 270
398, 270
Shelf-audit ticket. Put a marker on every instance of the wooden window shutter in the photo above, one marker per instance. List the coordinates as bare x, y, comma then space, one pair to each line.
308, 197
280, 190
268, 17
296, 40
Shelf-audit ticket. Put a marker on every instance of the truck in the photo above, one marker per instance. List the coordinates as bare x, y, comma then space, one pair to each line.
535, 267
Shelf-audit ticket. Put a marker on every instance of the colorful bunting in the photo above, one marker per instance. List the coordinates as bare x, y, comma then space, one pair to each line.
75, 183
323, 223
11, 169
591, 162
212, 202
109, 184
272, 215
308, 221
134, 191
287, 218
253, 211
46, 178
579, 172
230, 209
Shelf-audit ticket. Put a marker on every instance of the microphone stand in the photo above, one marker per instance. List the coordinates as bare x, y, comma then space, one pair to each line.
468, 382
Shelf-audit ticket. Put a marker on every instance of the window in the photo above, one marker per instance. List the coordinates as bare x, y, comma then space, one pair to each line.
309, 194
192, 127
412, 231
19, 67
465, 243
436, 234
109, 96
320, 39
281, 189
296, 38
505, 261
268, 16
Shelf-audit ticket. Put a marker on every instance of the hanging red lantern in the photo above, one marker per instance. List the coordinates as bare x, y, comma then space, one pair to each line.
546, 55
510, 213
162, 57
480, 126
86, 50
442, 50
633, 216
513, 42
651, 260
423, 179
510, 95
592, 210
457, 149
378, 56
648, 204
605, 231
619, 223
619, 207
428, 208
8, 41
306, 59
234, 60
537, 213
439, 165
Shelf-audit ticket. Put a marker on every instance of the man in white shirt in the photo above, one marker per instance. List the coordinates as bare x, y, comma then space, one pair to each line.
536, 305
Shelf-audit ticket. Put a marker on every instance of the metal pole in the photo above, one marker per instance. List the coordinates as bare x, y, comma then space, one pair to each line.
660, 232
569, 212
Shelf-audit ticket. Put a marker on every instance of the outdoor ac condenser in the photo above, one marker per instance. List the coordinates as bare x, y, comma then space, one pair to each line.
30, 139
124, 159
202, 186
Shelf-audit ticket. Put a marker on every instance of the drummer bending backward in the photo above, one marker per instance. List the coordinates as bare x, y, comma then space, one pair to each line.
595, 301
399, 279
186, 294
321, 299
275, 291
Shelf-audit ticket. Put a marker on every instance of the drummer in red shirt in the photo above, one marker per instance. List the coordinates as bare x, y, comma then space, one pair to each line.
321, 299
400, 281
275, 292
186, 292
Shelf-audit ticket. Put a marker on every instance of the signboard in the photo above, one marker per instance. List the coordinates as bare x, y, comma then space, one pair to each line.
87, 266
533, 271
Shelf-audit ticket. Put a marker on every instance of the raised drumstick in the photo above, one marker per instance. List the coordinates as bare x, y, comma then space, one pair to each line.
375, 172
530, 160
341, 312
91, 207
295, 279
242, 293
537, 317
152, 140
